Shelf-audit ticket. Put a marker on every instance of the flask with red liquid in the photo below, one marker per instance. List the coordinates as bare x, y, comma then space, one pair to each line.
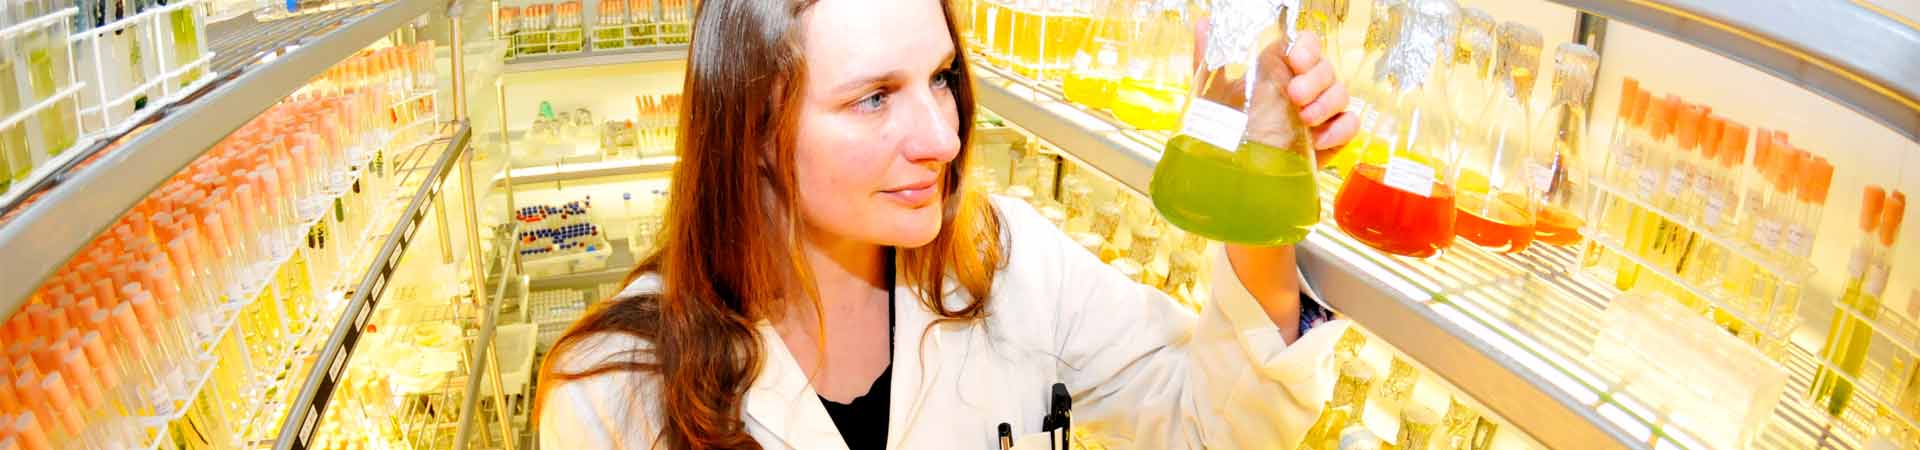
1399, 198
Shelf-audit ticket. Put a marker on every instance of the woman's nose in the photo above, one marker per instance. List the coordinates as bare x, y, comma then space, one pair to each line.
932, 132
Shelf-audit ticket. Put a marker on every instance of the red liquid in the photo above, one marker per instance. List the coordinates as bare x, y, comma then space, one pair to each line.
1392, 220
1501, 226
1557, 226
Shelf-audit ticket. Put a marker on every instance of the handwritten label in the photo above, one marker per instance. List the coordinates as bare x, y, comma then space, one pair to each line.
1646, 182
1410, 176
1766, 233
1215, 124
1857, 265
1797, 240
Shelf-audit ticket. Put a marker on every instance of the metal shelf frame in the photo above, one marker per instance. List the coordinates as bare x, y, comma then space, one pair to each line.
1851, 52
303, 417
596, 57
78, 204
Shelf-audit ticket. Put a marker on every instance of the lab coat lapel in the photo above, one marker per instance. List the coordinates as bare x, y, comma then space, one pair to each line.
916, 357
783, 402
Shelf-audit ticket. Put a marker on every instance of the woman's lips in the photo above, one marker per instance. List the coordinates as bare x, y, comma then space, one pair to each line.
913, 195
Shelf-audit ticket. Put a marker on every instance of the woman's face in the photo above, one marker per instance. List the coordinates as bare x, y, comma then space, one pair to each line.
878, 124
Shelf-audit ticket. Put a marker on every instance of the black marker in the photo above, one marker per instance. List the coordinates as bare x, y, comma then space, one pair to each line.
1006, 436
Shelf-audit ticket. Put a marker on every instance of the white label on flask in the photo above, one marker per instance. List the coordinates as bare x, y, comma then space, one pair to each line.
1876, 281
1107, 57
1082, 61
1214, 123
1410, 176
1368, 117
1541, 176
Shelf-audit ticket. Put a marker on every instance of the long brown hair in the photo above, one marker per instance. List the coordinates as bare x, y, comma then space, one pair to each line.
730, 242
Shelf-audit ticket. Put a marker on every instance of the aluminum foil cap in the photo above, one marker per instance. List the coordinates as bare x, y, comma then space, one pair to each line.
1426, 34
1519, 59
1574, 67
1382, 24
1477, 40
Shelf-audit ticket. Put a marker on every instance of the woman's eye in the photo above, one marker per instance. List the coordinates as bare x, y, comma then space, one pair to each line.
943, 79
872, 102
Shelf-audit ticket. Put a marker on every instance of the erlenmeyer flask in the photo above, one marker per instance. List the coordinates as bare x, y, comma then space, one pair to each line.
1323, 18
1097, 64
1399, 198
1159, 66
1382, 26
1472, 87
1559, 144
1241, 170
1495, 189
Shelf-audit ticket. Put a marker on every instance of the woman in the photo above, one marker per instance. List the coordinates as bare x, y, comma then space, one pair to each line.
826, 283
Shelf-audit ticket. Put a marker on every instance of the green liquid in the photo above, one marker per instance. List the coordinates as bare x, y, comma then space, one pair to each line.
47, 59
1260, 194
15, 162
186, 42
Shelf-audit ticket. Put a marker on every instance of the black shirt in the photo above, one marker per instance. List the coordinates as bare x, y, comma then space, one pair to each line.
863, 423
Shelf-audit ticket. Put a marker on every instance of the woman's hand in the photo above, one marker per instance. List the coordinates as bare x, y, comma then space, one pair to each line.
1269, 272
1321, 96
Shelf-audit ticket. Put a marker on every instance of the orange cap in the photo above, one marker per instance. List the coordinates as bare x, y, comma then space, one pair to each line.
1659, 117
1629, 93
1871, 202
1733, 145
94, 346
1710, 129
1816, 181
1890, 217
1686, 125
32, 436
75, 366
1641, 100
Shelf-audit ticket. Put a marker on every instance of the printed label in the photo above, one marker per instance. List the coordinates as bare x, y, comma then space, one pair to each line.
1646, 182
1876, 280
1766, 233
1107, 57
1716, 207
1541, 176
1857, 265
1796, 240
1215, 124
1410, 176
1677, 181
1701, 185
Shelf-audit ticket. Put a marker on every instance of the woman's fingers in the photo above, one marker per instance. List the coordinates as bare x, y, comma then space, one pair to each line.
1335, 133
1318, 94
1304, 52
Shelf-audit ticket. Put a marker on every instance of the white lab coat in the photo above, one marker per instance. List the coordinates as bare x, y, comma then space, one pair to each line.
1144, 372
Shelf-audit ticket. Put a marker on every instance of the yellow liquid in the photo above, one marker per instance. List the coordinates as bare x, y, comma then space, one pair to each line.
1362, 143
186, 42
1002, 33
1064, 34
15, 162
980, 32
1094, 89
1029, 34
1148, 105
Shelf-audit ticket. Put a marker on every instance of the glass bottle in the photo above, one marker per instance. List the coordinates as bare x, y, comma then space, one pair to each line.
1399, 198
1347, 406
1159, 67
1472, 86
999, 32
1096, 64
183, 38
1324, 18
1496, 181
1029, 35
15, 154
1242, 168
1382, 26
1560, 141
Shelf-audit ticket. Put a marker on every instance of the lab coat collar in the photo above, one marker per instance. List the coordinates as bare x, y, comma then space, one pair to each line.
783, 401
